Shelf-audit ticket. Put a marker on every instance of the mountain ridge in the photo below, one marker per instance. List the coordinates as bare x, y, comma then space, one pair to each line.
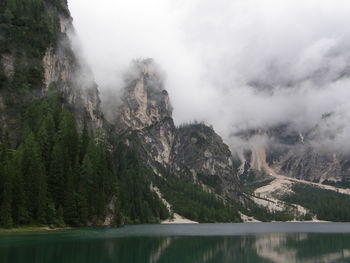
190, 149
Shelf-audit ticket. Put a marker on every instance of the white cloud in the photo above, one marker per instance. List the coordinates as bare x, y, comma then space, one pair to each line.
233, 63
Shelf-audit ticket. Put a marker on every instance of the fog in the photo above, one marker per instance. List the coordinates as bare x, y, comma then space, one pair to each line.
235, 64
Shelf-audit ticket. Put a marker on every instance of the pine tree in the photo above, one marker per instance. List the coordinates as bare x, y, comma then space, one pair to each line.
6, 196
85, 190
45, 137
69, 137
20, 209
70, 207
8, 16
41, 198
89, 174
35, 179
84, 142
5, 209
69, 140
56, 178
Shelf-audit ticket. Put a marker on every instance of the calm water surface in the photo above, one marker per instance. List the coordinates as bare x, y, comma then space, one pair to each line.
252, 242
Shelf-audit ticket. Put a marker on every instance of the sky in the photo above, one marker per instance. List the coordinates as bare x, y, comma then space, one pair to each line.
235, 64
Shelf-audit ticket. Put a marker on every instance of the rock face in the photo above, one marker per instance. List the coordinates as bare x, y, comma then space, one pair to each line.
145, 110
195, 151
158, 141
67, 72
201, 151
308, 164
63, 70
7, 63
145, 101
299, 155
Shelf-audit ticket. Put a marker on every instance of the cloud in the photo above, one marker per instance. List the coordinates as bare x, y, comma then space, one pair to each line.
237, 64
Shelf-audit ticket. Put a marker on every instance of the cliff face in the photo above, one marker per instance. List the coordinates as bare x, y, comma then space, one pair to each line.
203, 153
45, 87
308, 164
46, 62
67, 72
145, 101
195, 151
300, 155
50, 86
145, 111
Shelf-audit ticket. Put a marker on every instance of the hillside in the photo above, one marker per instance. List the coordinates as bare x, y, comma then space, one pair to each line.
64, 164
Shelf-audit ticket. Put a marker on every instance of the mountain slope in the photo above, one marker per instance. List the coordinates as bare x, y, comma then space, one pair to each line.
193, 150
62, 163
58, 161
291, 162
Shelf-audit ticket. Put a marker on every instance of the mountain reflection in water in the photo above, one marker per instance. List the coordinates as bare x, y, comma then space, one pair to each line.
106, 246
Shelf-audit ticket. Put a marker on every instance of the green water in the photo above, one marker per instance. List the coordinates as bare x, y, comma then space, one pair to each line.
252, 242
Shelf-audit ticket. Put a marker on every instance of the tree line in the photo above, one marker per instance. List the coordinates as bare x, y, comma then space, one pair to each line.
326, 204
193, 202
59, 175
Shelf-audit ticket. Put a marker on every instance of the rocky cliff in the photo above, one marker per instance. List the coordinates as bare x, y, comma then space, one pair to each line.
89, 175
47, 95
194, 150
202, 152
66, 71
48, 61
301, 155
144, 101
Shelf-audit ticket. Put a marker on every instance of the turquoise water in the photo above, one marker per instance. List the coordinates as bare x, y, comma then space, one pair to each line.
251, 242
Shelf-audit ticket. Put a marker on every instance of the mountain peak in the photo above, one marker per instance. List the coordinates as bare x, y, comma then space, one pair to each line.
144, 100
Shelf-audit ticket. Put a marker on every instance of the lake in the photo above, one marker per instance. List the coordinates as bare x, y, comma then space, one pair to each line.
214, 243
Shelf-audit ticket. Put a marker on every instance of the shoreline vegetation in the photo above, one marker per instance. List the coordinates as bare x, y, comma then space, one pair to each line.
28, 229
176, 220
25, 229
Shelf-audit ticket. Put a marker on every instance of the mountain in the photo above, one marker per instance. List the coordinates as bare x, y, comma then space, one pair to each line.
297, 154
55, 167
298, 170
193, 153
63, 163
35, 61
192, 150
69, 159
306, 158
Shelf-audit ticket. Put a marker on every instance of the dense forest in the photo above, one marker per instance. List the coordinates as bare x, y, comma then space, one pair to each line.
54, 172
191, 201
51, 171
326, 204
27, 29
60, 176
250, 181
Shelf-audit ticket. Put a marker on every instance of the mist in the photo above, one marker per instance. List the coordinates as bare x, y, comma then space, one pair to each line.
235, 64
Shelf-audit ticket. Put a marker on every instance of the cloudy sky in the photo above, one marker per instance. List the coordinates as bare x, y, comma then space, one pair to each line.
236, 64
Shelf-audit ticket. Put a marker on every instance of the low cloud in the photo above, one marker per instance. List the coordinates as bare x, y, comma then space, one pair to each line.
236, 64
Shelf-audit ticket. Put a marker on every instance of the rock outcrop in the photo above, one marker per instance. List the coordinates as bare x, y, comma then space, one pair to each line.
66, 71
56, 66
300, 155
203, 153
144, 101
62, 70
194, 150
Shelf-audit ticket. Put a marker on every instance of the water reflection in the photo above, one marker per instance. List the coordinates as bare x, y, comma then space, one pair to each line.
301, 247
279, 247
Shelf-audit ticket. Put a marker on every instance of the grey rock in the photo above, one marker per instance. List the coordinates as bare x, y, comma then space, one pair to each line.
194, 150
